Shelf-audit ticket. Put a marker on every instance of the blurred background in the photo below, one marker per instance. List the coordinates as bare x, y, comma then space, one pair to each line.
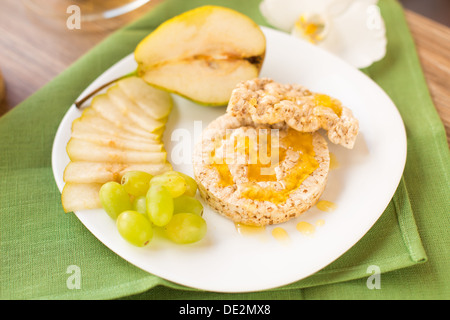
36, 43
438, 10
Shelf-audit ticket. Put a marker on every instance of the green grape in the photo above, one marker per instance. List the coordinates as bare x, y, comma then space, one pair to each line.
187, 204
139, 204
172, 181
136, 182
191, 185
159, 205
186, 228
135, 228
114, 199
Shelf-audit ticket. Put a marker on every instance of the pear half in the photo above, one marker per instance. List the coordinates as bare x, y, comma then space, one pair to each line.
202, 54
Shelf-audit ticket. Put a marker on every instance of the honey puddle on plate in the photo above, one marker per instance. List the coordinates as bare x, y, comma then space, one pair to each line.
249, 230
334, 163
278, 233
320, 222
306, 228
327, 206
281, 235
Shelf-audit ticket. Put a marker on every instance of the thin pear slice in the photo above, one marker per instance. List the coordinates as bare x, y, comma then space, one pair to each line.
94, 135
132, 110
154, 102
98, 172
114, 142
91, 126
80, 196
95, 119
109, 110
202, 54
79, 150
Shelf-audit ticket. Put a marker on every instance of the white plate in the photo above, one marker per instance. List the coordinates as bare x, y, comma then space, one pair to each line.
226, 261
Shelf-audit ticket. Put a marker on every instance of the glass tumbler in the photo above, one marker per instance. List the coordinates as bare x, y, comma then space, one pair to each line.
90, 10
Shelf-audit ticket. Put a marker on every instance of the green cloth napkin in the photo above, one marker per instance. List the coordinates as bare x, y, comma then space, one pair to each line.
40, 244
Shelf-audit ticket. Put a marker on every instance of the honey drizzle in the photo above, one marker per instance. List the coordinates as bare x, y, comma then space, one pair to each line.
266, 159
298, 142
225, 177
334, 163
295, 141
306, 228
323, 100
280, 235
244, 229
327, 206
320, 222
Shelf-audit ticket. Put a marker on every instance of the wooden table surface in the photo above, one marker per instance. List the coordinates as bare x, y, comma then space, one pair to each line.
33, 50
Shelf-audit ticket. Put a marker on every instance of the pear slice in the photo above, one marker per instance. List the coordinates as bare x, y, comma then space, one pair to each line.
111, 111
202, 54
80, 196
96, 126
114, 142
154, 102
102, 172
94, 119
132, 110
79, 150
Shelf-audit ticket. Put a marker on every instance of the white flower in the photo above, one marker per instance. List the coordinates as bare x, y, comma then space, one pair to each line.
351, 29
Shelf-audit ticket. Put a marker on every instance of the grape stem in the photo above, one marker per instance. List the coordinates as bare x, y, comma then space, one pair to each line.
80, 102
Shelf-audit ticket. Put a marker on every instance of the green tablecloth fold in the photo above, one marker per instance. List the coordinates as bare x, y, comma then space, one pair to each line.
39, 244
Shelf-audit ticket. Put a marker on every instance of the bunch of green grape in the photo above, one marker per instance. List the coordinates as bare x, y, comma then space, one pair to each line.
142, 202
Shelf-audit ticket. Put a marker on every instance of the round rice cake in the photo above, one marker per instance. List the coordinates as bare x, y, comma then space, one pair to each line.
235, 181
268, 102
